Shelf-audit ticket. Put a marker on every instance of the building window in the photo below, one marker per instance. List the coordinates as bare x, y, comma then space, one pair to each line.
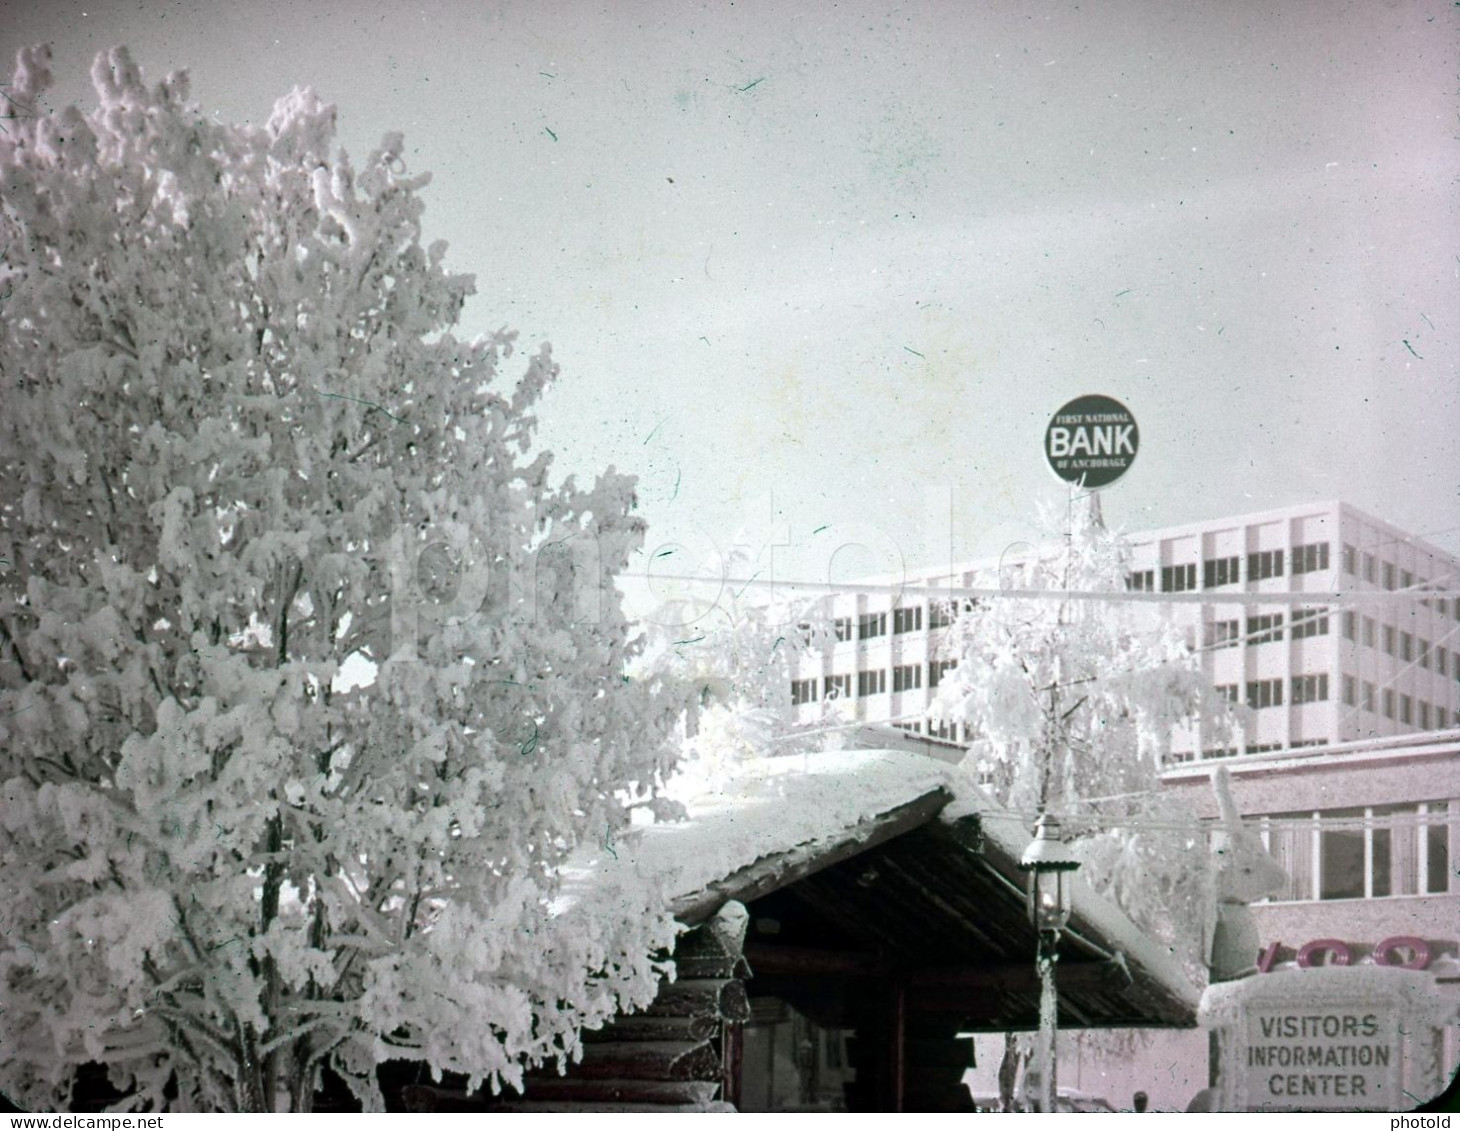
837, 687
1310, 688
1388, 703
1436, 853
1369, 631
1406, 646
1406, 579
1341, 855
940, 614
1141, 581
1264, 693
1391, 576
907, 677
843, 628
1227, 691
1370, 568
1311, 558
1220, 571
1223, 634
1178, 578
1369, 690
937, 669
1350, 560
1424, 715
803, 691
870, 625
1265, 628
872, 683
1264, 564
1372, 853
1390, 636
907, 620
1441, 660
1422, 650
1350, 691
1406, 709
1310, 622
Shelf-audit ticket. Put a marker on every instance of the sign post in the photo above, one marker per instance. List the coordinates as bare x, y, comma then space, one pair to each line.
1092, 441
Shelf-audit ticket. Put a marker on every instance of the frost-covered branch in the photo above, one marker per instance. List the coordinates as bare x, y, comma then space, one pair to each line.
1073, 700
237, 427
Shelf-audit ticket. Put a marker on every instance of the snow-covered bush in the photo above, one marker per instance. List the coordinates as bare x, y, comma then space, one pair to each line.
240, 450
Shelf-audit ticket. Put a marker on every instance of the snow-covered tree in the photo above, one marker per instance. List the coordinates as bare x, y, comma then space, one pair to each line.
240, 450
1073, 700
731, 651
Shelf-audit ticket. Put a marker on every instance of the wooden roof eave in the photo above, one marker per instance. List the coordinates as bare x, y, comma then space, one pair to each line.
779, 869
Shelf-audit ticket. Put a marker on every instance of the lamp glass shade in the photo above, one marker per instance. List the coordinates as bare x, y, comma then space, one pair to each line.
1049, 862
1049, 898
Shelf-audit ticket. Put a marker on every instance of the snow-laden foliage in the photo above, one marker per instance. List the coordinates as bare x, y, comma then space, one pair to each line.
1074, 701
733, 657
240, 447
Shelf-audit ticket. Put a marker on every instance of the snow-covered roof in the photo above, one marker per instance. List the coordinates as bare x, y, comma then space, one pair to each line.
764, 808
770, 821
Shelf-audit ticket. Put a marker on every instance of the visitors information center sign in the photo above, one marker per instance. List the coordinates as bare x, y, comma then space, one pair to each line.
1330, 1038
1345, 1059
1092, 441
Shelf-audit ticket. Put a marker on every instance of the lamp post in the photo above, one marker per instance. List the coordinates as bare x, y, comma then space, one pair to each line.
1051, 866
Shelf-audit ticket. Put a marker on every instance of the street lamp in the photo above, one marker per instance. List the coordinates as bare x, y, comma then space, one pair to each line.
1051, 866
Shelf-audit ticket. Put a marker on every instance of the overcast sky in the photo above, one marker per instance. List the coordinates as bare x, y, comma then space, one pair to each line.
852, 257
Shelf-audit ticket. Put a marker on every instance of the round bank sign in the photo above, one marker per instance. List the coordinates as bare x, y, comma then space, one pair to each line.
1092, 441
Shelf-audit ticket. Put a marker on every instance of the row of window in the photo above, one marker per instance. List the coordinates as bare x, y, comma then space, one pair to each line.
1388, 575
1314, 689
1227, 570
1265, 628
863, 627
1233, 751
905, 677
1269, 692
1402, 645
938, 728
1363, 853
1397, 706
910, 619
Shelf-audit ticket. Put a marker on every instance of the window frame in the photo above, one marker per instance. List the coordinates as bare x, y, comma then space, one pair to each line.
1221, 571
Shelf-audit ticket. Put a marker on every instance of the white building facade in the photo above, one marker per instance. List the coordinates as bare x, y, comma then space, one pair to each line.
1375, 654
1346, 756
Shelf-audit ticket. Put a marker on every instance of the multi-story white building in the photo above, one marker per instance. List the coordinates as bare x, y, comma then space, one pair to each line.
1347, 757
1375, 653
